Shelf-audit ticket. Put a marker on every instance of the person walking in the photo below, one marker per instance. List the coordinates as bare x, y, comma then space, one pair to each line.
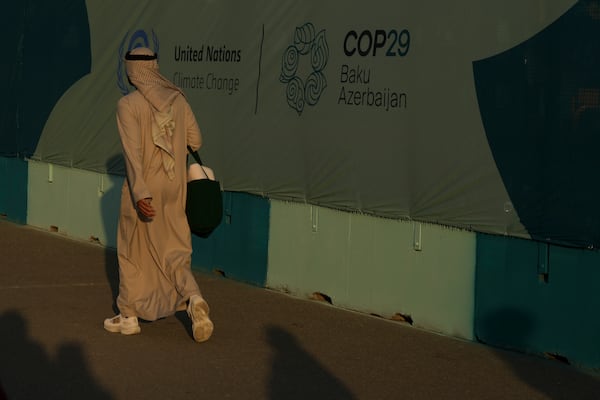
155, 124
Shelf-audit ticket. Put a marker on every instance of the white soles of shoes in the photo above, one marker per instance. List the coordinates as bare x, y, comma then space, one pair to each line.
123, 325
202, 326
197, 309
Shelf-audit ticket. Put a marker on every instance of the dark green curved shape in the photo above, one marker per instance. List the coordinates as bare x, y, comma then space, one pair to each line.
540, 105
46, 49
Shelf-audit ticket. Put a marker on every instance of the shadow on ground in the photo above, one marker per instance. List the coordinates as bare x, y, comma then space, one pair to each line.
512, 325
27, 371
296, 375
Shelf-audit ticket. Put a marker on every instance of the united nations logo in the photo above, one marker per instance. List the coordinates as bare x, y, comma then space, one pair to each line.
301, 91
138, 38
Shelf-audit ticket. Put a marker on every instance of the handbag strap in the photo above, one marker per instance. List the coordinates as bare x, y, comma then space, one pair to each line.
198, 160
195, 154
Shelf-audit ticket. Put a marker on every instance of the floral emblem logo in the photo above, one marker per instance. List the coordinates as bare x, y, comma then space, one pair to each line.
138, 38
308, 91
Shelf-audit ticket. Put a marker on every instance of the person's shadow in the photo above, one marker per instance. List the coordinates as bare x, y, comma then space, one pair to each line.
298, 376
28, 372
110, 205
514, 326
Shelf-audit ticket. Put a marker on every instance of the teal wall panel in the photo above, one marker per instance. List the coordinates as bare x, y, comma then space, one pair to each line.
13, 189
238, 248
538, 298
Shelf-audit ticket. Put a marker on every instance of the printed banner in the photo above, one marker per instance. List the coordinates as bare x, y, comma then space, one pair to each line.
383, 108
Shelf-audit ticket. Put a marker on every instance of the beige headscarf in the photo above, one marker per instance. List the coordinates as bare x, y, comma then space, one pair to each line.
160, 93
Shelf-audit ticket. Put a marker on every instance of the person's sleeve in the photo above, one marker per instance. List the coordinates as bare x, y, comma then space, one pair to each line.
131, 140
193, 135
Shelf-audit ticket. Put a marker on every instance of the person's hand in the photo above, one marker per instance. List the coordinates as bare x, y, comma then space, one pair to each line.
145, 208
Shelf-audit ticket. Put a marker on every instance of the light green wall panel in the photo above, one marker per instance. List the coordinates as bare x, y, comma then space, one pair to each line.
79, 203
371, 265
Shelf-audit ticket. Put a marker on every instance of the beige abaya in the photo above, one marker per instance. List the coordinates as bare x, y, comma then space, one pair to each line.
155, 254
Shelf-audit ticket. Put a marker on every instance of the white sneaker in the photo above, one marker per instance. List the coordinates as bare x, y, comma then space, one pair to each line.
124, 325
202, 326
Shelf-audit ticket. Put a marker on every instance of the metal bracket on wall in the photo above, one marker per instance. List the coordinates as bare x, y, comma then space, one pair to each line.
543, 267
50, 173
101, 185
228, 211
417, 240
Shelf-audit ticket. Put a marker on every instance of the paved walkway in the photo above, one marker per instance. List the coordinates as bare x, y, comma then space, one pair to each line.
55, 293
